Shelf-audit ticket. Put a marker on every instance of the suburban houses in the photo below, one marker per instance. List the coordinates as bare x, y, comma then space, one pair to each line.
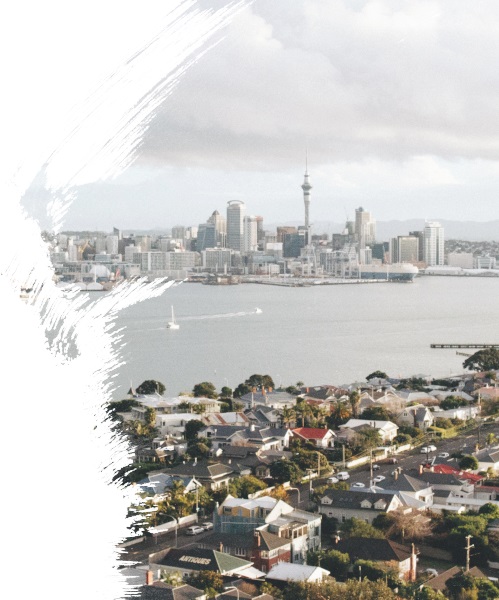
283, 477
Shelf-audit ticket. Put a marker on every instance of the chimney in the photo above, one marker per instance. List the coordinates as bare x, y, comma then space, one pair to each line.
221, 547
257, 538
396, 474
336, 538
149, 577
420, 469
414, 560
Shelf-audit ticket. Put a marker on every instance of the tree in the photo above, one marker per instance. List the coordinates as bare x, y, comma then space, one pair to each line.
339, 415
260, 381
279, 493
354, 399
468, 463
241, 390
483, 360
285, 470
377, 375
243, 486
225, 392
192, 428
338, 563
367, 439
408, 526
357, 528
452, 402
376, 413
150, 417
489, 511
288, 415
150, 386
209, 581
205, 389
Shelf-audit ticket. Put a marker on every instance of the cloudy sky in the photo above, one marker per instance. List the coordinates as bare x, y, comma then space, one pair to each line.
395, 101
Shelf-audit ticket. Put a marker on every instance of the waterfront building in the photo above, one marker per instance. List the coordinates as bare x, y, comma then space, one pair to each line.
463, 260
404, 248
235, 224
217, 259
420, 236
433, 244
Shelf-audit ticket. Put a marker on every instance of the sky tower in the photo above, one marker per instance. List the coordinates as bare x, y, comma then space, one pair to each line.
306, 187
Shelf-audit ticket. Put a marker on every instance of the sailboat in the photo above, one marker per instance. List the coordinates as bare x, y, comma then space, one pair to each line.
172, 324
258, 311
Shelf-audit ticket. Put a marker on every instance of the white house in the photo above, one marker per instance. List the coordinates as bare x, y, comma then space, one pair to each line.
387, 429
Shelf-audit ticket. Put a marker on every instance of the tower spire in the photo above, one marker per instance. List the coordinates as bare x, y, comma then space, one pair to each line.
306, 187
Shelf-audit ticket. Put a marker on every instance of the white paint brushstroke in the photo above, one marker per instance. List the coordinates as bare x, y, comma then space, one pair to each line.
63, 523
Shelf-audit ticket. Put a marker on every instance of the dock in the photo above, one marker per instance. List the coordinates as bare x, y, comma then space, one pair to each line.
479, 346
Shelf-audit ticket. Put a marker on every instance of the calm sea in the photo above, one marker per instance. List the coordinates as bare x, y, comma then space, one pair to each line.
320, 334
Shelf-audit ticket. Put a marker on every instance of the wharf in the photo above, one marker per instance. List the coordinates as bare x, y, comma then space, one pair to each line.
464, 346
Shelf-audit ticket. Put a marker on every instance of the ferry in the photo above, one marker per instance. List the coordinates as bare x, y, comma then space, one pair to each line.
394, 272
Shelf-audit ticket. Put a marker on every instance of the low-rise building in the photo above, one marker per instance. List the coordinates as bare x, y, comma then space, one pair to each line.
320, 437
348, 504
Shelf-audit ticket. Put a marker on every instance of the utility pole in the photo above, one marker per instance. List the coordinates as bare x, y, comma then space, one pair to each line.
344, 462
371, 465
468, 547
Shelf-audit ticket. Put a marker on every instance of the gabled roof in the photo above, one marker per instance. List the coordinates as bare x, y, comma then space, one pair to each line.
270, 541
203, 559
373, 549
160, 590
201, 470
353, 499
295, 572
311, 433
439, 582
404, 483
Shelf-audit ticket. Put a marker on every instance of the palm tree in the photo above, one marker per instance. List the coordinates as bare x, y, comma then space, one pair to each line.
354, 399
287, 416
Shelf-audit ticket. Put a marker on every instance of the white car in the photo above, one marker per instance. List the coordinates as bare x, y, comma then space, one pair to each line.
443, 455
358, 485
207, 525
332, 480
343, 476
194, 530
379, 478
427, 449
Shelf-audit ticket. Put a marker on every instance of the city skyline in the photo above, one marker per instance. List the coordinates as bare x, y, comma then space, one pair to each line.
393, 102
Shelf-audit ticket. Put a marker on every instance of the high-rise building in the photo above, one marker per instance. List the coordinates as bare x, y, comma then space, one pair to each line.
207, 237
250, 234
433, 244
404, 248
306, 187
420, 236
235, 224
220, 228
365, 228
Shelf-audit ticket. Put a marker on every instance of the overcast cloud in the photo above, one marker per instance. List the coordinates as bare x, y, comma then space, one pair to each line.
396, 101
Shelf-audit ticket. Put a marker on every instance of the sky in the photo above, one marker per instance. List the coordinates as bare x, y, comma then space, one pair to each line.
394, 102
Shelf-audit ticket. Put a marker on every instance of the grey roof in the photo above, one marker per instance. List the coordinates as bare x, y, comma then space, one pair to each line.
404, 483
254, 432
353, 499
373, 549
439, 479
160, 590
201, 470
229, 540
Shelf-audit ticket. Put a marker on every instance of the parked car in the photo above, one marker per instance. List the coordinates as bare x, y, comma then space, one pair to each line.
443, 455
207, 525
332, 479
376, 467
427, 449
392, 461
343, 476
379, 478
194, 530
358, 484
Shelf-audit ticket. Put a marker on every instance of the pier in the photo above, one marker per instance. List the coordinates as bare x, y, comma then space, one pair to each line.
479, 346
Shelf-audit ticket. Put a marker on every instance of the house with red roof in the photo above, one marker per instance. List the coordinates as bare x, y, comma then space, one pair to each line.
320, 437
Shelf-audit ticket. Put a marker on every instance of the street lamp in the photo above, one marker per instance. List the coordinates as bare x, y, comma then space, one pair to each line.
156, 533
298, 491
232, 587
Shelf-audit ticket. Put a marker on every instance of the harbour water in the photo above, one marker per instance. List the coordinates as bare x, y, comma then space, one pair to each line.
334, 334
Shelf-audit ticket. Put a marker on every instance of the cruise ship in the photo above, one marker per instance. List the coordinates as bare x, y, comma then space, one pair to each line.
394, 272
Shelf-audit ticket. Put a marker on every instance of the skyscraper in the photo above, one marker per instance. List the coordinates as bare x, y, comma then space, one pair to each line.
306, 187
250, 234
235, 224
365, 228
433, 244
